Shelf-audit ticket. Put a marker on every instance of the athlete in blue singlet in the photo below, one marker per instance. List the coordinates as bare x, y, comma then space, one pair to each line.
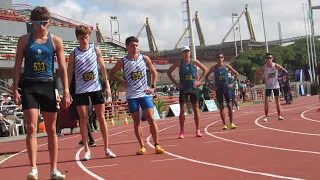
38, 48
137, 91
188, 87
223, 87
84, 61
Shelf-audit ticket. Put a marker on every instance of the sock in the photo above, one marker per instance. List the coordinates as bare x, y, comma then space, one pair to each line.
156, 145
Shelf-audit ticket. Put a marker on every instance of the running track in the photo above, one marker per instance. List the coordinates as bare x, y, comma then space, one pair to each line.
286, 149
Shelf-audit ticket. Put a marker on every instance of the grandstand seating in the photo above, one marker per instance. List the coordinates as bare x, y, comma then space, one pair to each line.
11, 15
8, 48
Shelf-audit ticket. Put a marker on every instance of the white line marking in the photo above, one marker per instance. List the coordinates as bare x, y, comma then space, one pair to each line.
280, 130
302, 115
170, 145
256, 145
234, 131
107, 165
218, 165
37, 147
87, 170
165, 160
212, 141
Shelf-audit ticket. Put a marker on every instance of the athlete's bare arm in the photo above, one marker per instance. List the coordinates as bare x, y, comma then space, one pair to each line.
234, 72
153, 72
259, 72
211, 70
203, 68
62, 64
117, 67
171, 69
17, 66
279, 67
70, 69
103, 72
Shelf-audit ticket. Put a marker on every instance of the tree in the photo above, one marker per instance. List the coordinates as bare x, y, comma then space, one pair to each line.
248, 62
291, 57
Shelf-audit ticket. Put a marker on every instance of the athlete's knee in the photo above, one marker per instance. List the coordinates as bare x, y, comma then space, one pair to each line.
50, 130
31, 129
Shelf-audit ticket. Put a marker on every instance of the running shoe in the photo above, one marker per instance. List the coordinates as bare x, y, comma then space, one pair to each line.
56, 175
159, 150
141, 151
33, 175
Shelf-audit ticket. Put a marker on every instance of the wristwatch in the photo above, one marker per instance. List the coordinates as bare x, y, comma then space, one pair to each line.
152, 86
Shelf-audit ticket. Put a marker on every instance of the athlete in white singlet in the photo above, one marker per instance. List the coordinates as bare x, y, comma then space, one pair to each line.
137, 91
85, 61
270, 72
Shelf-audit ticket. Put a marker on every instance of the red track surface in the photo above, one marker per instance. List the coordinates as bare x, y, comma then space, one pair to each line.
255, 150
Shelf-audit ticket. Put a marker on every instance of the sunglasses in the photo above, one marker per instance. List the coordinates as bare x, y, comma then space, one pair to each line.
220, 57
268, 57
41, 22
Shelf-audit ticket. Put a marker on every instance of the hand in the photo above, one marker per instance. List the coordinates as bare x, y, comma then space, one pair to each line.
16, 97
213, 86
107, 93
124, 83
231, 85
67, 99
197, 83
178, 85
149, 90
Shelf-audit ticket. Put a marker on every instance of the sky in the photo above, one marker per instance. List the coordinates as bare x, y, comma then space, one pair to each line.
167, 19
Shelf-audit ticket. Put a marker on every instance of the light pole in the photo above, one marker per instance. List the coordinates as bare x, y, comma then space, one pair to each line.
115, 18
264, 28
234, 36
305, 24
236, 15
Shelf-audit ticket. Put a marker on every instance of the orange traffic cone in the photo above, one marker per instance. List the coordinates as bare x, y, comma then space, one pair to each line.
126, 121
42, 128
112, 122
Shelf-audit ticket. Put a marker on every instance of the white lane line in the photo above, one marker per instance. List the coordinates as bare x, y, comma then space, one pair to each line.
107, 165
218, 165
211, 142
161, 160
302, 115
256, 145
170, 145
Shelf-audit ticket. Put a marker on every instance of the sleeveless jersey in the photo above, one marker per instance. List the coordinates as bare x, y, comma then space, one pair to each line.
135, 73
187, 73
39, 59
86, 70
221, 76
271, 77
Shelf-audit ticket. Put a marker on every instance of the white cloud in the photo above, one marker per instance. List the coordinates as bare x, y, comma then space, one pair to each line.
165, 18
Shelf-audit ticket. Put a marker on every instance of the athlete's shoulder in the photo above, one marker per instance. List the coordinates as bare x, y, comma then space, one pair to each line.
55, 39
24, 38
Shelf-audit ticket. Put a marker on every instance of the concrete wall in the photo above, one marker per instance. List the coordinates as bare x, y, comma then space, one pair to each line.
13, 28
6, 3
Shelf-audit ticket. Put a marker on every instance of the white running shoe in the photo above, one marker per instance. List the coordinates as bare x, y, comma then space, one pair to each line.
33, 175
110, 154
265, 119
87, 156
280, 118
56, 175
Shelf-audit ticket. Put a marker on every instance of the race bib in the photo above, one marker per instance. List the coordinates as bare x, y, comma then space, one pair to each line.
39, 66
221, 78
272, 75
188, 77
88, 76
136, 75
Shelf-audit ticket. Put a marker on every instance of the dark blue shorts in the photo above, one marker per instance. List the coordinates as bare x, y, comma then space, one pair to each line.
144, 102
223, 91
